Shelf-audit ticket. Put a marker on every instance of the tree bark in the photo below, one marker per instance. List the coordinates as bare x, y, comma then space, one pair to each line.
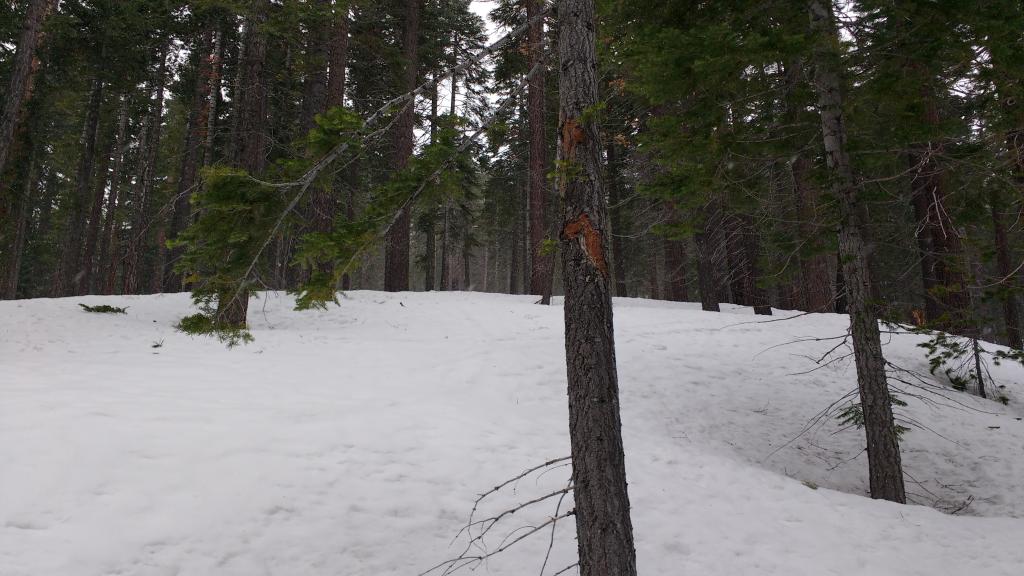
603, 526
540, 263
69, 273
396, 245
885, 469
22, 73
1004, 267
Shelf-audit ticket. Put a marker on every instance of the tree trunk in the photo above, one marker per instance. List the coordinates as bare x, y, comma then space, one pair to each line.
618, 226
107, 265
396, 245
138, 259
884, 467
69, 274
540, 263
22, 209
1004, 267
603, 526
196, 134
752, 247
22, 73
946, 298
675, 270
89, 264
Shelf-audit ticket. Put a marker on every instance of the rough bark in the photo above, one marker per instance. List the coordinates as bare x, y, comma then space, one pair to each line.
396, 249
69, 273
1004, 267
540, 263
603, 526
22, 73
884, 466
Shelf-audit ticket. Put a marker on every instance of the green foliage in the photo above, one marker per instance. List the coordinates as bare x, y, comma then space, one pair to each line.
853, 415
204, 324
964, 360
104, 309
236, 216
440, 173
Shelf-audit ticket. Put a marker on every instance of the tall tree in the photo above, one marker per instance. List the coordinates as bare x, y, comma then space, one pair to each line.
540, 260
396, 245
25, 65
885, 469
603, 526
68, 278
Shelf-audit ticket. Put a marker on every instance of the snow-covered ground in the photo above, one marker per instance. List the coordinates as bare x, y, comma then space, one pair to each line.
354, 441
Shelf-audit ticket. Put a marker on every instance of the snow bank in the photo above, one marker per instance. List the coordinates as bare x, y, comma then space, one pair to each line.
354, 441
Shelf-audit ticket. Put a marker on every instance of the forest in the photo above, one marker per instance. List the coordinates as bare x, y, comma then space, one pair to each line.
849, 172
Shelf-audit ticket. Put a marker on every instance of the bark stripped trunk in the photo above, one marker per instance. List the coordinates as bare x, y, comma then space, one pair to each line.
884, 467
603, 526
396, 245
22, 73
69, 274
540, 263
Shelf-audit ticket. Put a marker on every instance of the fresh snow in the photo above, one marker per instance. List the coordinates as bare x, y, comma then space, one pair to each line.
354, 441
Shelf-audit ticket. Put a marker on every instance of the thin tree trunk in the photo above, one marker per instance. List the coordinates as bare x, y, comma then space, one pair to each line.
192, 157
675, 270
885, 470
396, 252
107, 261
752, 247
69, 274
23, 72
946, 289
89, 263
138, 263
618, 225
540, 263
22, 208
603, 527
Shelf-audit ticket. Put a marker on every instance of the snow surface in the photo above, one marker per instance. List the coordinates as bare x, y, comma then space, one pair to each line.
354, 442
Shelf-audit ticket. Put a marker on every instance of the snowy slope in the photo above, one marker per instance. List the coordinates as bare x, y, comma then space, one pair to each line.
354, 441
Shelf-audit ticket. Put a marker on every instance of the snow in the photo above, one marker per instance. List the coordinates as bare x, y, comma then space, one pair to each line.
354, 441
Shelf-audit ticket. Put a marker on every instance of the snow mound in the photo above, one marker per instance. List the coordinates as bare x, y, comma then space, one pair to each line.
354, 442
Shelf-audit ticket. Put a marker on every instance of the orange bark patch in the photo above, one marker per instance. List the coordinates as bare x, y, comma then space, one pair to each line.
572, 135
590, 239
